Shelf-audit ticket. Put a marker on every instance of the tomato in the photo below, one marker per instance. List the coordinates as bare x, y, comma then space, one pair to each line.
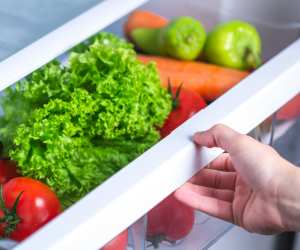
170, 220
185, 104
8, 170
118, 243
35, 202
291, 110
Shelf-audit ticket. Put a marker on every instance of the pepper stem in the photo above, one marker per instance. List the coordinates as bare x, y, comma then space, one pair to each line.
252, 59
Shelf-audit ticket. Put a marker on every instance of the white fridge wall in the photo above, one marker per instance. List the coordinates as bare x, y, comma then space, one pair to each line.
62, 39
23, 22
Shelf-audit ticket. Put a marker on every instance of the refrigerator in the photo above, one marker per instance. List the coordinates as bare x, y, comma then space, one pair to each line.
36, 32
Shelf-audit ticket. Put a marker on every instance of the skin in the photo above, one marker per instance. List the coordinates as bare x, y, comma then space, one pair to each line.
250, 185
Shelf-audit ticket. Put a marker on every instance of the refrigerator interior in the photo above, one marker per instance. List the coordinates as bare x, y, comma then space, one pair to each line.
33, 19
206, 230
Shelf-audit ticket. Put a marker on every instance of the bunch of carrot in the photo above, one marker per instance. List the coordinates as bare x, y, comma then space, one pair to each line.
210, 81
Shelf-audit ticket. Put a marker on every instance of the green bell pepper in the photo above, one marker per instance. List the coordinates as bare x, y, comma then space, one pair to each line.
234, 44
183, 38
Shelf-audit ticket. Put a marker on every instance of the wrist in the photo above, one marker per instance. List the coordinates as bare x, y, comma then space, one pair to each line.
289, 197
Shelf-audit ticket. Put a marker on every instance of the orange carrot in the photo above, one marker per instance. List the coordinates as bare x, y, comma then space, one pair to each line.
143, 19
210, 81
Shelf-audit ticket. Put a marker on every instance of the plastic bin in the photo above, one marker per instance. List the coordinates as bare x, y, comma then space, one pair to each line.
72, 229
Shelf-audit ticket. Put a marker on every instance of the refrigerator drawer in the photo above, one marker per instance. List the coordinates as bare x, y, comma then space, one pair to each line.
126, 197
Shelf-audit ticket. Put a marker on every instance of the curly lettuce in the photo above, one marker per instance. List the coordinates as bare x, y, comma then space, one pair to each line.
77, 125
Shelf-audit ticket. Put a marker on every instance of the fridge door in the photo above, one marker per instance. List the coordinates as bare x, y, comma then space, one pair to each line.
128, 195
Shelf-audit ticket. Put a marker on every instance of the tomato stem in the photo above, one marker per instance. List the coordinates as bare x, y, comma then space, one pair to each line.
10, 218
155, 240
175, 98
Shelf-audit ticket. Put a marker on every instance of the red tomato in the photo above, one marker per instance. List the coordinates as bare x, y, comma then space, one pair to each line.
37, 205
185, 106
8, 170
291, 110
118, 243
170, 220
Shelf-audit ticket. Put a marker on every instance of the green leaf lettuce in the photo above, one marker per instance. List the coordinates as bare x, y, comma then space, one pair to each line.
72, 127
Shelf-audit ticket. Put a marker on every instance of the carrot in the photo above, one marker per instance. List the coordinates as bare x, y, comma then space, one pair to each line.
143, 19
210, 81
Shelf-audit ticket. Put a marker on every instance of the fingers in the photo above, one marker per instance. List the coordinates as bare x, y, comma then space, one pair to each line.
212, 205
218, 136
215, 179
223, 163
221, 194
246, 154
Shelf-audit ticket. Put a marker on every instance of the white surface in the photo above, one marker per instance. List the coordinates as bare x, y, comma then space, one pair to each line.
239, 239
277, 13
60, 40
23, 22
143, 182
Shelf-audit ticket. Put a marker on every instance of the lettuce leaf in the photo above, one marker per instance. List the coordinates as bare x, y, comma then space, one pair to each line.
77, 125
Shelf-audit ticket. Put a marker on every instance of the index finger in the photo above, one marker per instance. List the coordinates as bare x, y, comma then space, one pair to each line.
218, 136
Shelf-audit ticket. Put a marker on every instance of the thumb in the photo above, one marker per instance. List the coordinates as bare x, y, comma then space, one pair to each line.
219, 136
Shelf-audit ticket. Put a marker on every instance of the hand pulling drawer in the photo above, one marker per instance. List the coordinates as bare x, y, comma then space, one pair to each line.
143, 183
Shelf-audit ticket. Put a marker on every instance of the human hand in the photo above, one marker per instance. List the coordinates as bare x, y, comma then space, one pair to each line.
249, 185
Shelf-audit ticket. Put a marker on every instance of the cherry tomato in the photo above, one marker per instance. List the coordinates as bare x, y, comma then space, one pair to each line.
8, 170
170, 220
185, 104
35, 202
118, 243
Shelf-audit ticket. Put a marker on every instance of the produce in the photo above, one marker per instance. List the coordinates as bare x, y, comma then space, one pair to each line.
182, 38
73, 127
185, 104
170, 221
210, 81
143, 19
291, 110
26, 205
234, 44
118, 243
8, 170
